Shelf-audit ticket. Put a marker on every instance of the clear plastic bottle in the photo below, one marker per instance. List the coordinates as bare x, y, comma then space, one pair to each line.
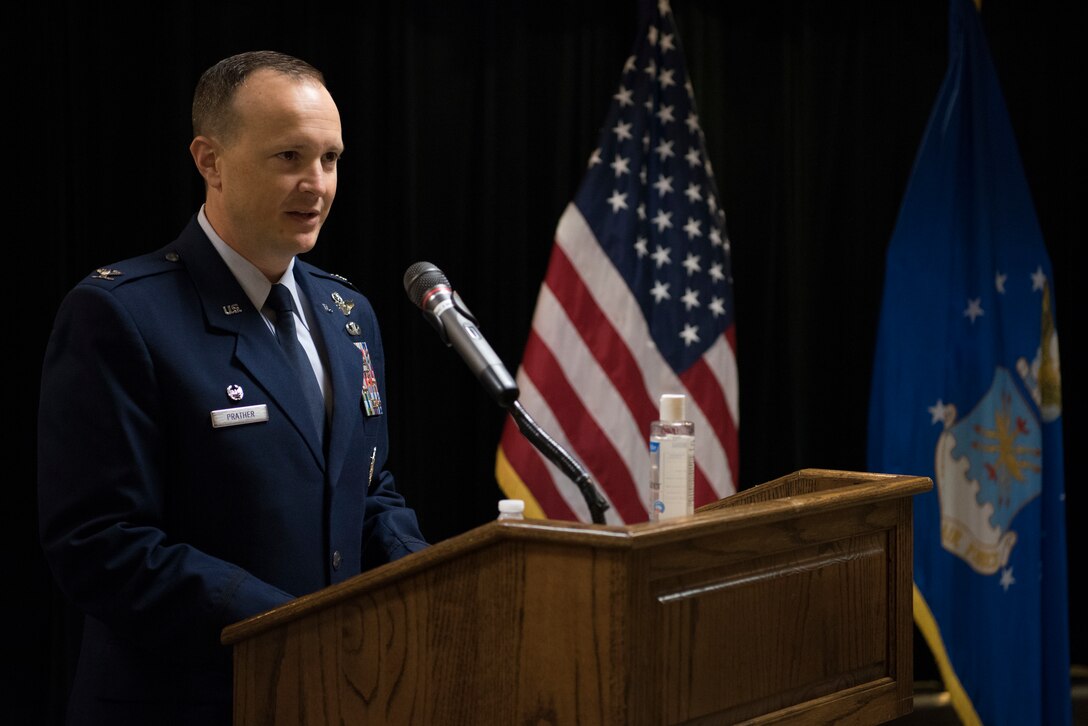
511, 509
672, 460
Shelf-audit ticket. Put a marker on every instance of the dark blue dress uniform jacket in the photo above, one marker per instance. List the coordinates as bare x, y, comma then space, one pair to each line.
163, 529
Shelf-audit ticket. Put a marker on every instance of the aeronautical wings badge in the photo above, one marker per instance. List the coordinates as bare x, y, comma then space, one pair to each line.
344, 305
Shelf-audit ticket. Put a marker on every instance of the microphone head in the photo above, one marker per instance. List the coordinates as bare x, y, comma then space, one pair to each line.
421, 278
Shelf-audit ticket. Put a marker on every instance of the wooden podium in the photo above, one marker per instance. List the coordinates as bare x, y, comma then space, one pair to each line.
787, 603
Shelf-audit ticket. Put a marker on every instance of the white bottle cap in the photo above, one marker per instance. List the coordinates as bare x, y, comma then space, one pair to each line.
671, 407
511, 506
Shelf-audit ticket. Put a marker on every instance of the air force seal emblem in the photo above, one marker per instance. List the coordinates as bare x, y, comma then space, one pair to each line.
988, 467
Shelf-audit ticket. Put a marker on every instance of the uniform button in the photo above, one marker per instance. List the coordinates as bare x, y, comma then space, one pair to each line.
336, 559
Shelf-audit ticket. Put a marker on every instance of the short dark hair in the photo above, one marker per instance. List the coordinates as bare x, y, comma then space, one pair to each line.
213, 110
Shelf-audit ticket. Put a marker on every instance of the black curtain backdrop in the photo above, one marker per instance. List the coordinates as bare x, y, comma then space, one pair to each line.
468, 127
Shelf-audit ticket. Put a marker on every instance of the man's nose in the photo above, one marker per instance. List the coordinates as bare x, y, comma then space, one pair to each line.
316, 179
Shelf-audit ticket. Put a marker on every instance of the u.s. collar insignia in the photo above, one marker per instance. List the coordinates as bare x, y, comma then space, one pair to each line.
344, 305
105, 273
326, 307
232, 309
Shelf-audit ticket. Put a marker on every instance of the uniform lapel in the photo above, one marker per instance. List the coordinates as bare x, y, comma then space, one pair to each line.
227, 308
344, 363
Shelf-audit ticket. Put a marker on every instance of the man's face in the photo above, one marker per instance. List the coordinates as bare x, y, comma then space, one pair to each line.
277, 173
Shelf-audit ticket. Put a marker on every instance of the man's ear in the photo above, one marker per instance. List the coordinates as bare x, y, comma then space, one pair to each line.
205, 153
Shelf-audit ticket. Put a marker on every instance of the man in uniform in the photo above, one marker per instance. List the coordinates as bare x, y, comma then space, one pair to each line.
211, 431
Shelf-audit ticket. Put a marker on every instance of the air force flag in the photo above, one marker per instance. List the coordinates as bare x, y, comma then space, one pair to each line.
967, 390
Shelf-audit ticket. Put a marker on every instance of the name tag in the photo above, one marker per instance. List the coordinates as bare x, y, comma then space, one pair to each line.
240, 415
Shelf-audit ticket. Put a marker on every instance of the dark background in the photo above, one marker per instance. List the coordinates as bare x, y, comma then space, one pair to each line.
467, 128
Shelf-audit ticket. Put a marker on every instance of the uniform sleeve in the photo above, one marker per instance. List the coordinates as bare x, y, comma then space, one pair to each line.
102, 489
390, 530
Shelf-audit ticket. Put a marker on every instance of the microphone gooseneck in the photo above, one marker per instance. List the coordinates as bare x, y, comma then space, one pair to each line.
559, 456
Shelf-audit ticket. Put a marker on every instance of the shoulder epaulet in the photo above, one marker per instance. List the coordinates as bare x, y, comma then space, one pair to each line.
134, 268
341, 278
333, 276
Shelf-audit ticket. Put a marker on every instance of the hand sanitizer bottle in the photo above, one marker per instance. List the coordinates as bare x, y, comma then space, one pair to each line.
672, 461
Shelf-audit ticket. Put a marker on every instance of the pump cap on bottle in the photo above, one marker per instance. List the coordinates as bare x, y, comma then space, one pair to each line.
671, 407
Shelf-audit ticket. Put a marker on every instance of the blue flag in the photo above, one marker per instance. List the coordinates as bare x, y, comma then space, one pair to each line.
967, 390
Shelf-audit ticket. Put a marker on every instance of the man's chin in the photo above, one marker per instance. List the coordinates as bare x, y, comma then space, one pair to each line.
304, 243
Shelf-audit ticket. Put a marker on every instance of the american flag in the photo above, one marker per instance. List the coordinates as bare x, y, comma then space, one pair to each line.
637, 302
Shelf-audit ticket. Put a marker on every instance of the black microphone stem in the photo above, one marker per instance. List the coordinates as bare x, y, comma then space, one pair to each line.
559, 456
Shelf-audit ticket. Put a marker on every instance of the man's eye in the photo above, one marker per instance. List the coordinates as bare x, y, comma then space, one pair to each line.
331, 157
288, 155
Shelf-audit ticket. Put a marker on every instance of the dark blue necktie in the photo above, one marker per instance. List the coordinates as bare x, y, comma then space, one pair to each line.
280, 300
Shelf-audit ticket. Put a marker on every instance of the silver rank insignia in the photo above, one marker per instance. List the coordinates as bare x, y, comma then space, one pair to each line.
353, 328
234, 392
105, 273
344, 305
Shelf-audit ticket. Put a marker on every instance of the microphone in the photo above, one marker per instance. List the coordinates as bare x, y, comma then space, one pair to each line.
429, 290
